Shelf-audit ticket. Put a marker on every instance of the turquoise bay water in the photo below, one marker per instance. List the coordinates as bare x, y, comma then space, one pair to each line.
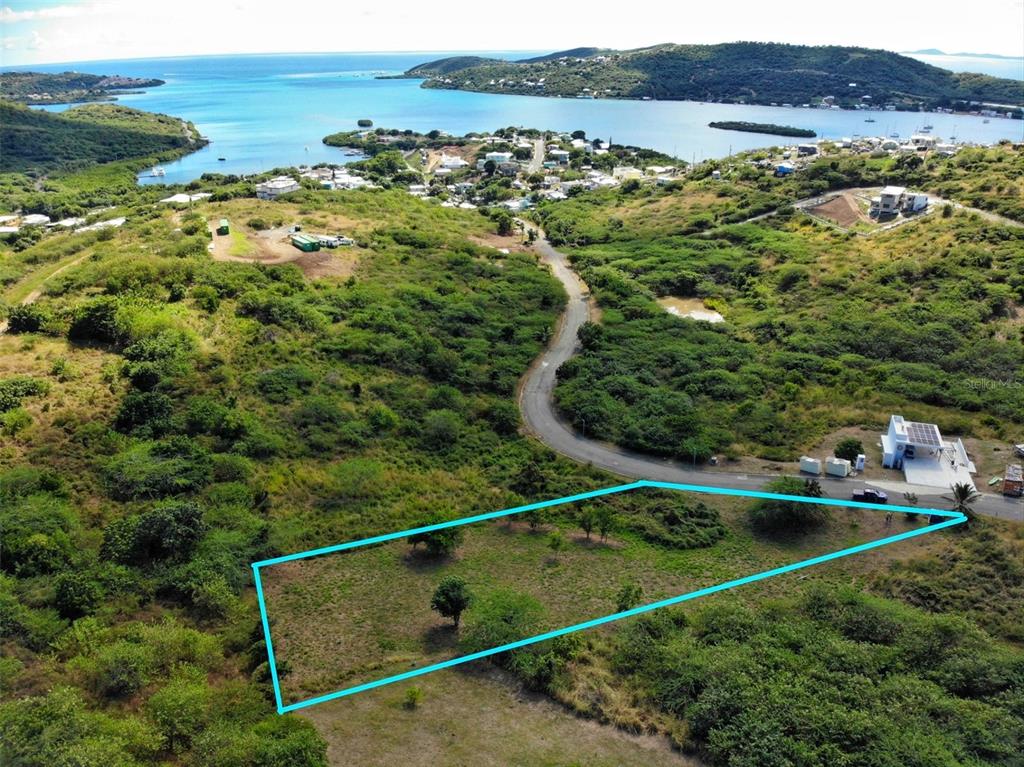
267, 111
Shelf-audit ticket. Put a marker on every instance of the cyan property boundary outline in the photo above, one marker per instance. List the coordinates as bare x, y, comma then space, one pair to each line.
951, 518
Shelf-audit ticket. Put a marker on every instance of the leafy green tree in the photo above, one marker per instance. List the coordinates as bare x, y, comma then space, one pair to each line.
438, 543
605, 521
451, 598
588, 520
781, 515
556, 542
849, 448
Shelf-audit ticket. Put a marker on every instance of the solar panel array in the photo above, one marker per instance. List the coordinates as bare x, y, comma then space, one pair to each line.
925, 434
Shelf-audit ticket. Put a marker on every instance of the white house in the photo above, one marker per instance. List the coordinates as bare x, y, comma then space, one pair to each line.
926, 459
275, 187
560, 156
889, 202
623, 172
453, 163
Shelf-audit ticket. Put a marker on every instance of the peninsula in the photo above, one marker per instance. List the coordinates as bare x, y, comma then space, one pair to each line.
742, 72
67, 87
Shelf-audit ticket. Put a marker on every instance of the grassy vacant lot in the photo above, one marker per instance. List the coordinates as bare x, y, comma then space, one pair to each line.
354, 616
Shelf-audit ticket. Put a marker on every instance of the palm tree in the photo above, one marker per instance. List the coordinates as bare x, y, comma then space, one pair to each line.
963, 496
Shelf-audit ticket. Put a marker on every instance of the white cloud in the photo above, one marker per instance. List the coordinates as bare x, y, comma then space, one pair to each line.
10, 16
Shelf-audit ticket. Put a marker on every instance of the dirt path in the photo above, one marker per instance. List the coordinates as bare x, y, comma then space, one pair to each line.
34, 295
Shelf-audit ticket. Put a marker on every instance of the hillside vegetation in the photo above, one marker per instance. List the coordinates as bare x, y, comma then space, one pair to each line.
167, 418
37, 142
757, 73
822, 329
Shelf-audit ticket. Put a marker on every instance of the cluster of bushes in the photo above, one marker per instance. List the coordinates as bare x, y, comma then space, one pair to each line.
829, 677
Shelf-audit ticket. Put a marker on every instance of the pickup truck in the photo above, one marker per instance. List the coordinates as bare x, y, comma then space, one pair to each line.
867, 495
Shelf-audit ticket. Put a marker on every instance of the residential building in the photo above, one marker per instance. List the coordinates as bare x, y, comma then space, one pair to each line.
889, 202
924, 456
275, 187
453, 163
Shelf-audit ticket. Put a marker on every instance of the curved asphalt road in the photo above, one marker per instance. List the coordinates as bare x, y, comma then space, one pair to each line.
537, 406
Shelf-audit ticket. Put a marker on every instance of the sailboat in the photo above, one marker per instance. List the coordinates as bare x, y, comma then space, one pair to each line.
870, 120
158, 171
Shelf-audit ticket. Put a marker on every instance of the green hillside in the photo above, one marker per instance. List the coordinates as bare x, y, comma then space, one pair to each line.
33, 141
735, 72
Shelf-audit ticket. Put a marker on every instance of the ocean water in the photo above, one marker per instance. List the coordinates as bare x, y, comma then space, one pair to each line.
266, 111
1012, 68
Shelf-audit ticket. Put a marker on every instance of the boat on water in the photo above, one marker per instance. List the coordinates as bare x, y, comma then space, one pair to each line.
894, 134
929, 126
158, 171
985, 120
221, 159
870, 120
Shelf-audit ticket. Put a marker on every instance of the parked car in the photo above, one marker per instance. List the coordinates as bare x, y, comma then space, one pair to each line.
1019, 450
868, 495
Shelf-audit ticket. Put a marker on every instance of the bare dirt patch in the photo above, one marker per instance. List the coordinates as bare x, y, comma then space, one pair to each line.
842, 210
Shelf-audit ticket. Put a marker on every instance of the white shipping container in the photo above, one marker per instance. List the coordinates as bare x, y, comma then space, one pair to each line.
837, 467
810, 465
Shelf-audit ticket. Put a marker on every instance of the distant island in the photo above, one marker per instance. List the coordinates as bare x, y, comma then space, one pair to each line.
937, 52
67, 87
745, 72
777, 130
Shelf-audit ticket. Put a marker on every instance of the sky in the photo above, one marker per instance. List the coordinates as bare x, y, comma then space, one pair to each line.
51, 31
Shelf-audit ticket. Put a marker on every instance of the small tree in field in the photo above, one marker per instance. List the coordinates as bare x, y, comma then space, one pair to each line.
439, 543
451, 598
605, 521
556, 542
778, 515
588, 519
628, 597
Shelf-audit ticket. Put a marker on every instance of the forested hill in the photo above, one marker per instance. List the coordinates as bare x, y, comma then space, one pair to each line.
66, 87
33, 141
760, 73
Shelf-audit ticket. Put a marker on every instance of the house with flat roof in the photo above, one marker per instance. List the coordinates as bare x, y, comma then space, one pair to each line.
889, 201
924, 456
275, 187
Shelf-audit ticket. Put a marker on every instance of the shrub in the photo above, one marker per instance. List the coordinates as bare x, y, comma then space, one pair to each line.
787, 516
14, 390
77, 594
26, 318
849, 448
158, 469
181, 709
144, 413
441, 430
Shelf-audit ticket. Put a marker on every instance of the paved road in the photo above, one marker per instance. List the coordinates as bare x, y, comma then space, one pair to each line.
541, 419
537, 161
